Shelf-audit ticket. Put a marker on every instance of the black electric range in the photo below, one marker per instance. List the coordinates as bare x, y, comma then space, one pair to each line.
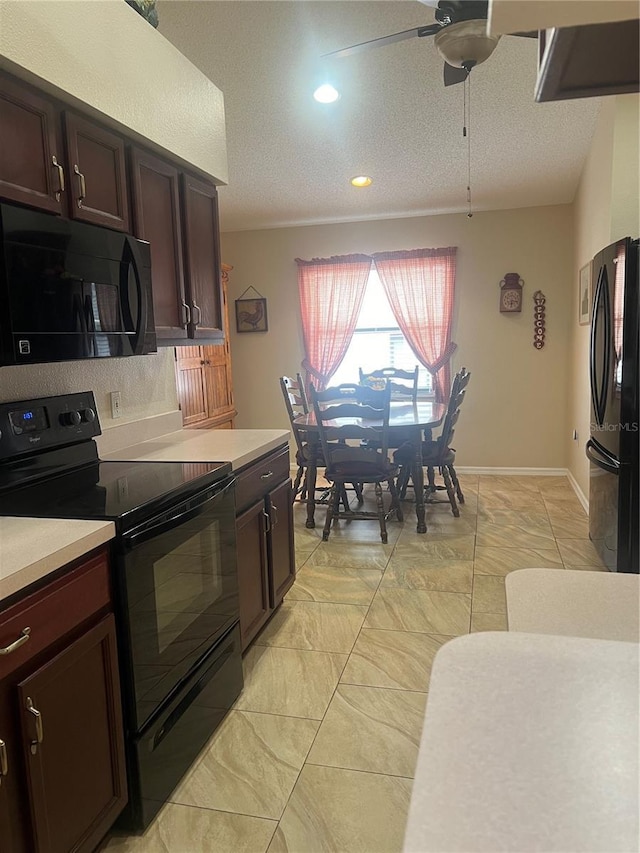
174, 578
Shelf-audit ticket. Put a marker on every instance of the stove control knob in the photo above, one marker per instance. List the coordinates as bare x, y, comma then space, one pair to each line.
88, 416
70, 418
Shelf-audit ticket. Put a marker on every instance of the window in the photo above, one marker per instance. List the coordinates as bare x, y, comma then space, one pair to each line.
378, 342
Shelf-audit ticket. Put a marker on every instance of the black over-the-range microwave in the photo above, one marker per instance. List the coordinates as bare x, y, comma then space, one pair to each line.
70, 290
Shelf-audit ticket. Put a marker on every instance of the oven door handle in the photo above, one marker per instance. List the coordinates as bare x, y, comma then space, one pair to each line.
151, 529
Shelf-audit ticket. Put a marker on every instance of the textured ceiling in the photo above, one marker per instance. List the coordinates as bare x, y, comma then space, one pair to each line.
290, 158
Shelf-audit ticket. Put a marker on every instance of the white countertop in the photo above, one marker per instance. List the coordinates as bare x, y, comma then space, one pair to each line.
574, 603
238, 446
31, 548
530, 744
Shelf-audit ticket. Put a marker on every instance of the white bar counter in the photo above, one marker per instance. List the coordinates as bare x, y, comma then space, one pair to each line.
530, 744
574, 603
31, 548
238, 446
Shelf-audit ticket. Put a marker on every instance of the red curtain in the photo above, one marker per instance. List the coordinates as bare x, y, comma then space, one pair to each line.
420, 286
331, 293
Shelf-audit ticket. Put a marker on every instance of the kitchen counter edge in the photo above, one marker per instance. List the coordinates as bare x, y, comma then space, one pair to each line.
32, 548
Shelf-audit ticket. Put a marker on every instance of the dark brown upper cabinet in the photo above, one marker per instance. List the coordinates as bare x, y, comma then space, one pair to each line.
202, 258
588, 61
178, 215
96, 174
156, 218
31, 158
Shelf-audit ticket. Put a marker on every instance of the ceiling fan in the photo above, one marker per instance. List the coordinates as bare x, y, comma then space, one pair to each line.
460, 36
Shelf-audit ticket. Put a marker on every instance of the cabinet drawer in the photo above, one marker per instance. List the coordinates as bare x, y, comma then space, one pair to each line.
54, 611
258, 478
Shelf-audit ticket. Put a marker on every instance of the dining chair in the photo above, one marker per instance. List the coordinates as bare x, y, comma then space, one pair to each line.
403, 383
404, 386
296, 402
438, 454
365, 419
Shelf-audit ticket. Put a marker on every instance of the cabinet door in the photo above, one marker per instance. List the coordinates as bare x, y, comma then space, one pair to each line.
202, 258
97, 174
31, 169
70, 715
252, 572
190, 384
282, 568
156, 218
217, 380
14, 808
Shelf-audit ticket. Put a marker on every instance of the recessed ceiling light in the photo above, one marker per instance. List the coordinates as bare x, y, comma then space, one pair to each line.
362, 181
326, 94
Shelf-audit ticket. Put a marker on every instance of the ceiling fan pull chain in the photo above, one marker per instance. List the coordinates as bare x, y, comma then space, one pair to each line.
468, 105
464, 109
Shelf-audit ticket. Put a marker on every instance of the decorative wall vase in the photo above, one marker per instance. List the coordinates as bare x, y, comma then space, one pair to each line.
511, 293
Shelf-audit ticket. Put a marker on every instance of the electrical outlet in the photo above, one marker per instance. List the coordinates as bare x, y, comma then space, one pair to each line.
116, 404
575, 435
123, 488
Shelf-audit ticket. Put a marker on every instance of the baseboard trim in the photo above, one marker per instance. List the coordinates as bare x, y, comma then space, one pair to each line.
579, 493
513, 472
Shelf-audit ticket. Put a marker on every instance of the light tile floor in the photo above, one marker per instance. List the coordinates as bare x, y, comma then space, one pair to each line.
319, 752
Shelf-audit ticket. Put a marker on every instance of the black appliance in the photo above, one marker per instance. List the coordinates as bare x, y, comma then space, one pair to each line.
614, 443
70, 290
174, 578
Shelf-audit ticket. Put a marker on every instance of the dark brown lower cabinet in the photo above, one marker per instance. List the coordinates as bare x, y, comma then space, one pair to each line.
62, 762
264, 526
73, 743
281, 556
253, 577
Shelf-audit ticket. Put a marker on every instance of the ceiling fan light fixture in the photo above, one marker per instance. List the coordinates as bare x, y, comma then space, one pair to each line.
361, 181
326, 94
465, 42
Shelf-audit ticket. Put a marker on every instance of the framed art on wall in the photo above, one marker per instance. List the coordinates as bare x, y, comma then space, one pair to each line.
251, 315
584, 295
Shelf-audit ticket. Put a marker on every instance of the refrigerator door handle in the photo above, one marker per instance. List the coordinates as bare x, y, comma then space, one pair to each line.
597, 457
601, 312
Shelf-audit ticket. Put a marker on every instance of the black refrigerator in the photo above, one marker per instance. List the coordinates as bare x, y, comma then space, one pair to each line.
614, 443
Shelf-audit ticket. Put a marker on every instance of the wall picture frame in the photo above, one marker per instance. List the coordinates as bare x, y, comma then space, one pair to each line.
584, 295
251, 315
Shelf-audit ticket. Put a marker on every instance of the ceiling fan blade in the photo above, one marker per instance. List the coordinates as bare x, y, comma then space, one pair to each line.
429, 30
453, 75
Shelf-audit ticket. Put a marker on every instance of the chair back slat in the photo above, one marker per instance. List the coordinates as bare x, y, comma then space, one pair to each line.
367, 420
450, 420
406, 388
295, 400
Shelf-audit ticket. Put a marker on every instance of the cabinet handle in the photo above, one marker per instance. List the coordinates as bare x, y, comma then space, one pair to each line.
187, 314
83, 185
31, 709
58, 166
22, 639
267, 521
266, 476
199, 320
275, 509
4, 761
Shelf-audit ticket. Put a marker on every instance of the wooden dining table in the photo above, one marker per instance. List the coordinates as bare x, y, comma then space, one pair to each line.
407, 421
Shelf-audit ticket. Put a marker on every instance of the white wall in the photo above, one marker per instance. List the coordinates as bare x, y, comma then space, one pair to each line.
606, 208
515, 410
104, 55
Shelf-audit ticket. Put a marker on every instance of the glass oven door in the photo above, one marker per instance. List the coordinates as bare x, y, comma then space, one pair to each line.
180, 592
